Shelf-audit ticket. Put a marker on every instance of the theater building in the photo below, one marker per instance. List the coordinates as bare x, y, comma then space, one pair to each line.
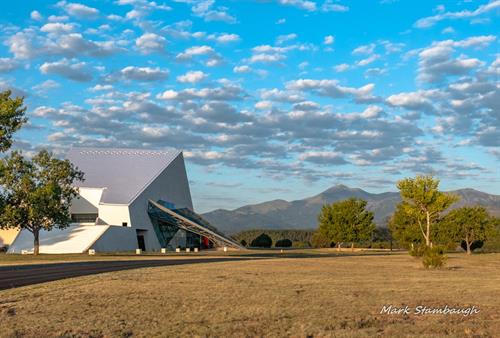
130, 199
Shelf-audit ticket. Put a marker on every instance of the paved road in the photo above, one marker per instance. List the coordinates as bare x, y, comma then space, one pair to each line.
21, 275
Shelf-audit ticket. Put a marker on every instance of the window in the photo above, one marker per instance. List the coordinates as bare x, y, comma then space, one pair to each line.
124, 224
83, 218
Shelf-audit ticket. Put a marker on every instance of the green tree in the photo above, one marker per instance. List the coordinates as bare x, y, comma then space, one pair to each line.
346, 221
404, 226
470, 224
283, 243
424, 203
37, 193
262, 241
11, 118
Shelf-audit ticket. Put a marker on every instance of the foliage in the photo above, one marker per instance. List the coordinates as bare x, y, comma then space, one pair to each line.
262, 241
36, 193
12, 117
319, 240
434, 257
470, 224
473, 246
283, 243
243, 242
417, 250
423, 203
404, 227
346, 221
298, 237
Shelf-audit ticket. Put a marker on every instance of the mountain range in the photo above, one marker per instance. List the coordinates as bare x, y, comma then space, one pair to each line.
302, 214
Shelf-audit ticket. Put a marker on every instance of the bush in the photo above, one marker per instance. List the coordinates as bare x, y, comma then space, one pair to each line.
434, 257
262, 241
474, 245
417, 250
283, 243
243, 242
318, 240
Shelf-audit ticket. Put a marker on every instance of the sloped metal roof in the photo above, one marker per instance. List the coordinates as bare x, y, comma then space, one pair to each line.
123, 172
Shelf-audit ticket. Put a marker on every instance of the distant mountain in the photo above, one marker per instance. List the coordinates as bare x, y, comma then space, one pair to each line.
302, 214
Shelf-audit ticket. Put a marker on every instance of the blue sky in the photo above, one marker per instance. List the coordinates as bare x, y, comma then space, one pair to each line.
268, 99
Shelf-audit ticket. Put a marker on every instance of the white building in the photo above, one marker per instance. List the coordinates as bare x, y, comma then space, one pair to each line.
130, 199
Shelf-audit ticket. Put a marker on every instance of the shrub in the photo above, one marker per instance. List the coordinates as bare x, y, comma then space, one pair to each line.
417, 250
262, 241
243, 242
318, 240
474, 245
283, 243
434, 257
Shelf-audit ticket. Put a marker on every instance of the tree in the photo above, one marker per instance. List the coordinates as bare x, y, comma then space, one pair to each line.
283, 243
470, 224
404, 226
37, 193
11, 118
262, 241
346, 221
424, 203
319, 240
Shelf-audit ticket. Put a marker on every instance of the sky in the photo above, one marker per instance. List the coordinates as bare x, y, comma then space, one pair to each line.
268, 99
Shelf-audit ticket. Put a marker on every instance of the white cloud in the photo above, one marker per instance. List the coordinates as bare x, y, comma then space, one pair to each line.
150, 42
192, 77
328, 40
224, 38
364, 49
144, 73
205, 10
242, 69
79, 10
301, 4
329, 6
7, 65
341, 67
368, 60
76, 71
195, 51
57, 28
284, 38
100, 87
35, 15
264, 105
432, 20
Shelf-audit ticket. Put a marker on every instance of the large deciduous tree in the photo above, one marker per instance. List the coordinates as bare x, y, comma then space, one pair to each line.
346, 221
470, 224
423, 202
11, 118
37, 193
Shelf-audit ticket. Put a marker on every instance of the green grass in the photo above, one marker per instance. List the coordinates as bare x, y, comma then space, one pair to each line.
319, 294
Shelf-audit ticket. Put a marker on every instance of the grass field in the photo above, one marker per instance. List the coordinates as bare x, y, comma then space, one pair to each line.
320, 296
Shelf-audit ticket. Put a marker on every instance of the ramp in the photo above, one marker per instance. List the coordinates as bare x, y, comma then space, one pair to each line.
74, 239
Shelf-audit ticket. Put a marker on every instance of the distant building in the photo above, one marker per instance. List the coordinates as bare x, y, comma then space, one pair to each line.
130, 199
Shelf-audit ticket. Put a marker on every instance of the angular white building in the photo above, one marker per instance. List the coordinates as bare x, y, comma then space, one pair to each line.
130, 199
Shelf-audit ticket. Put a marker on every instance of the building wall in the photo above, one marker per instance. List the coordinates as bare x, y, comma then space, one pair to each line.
116, 239
87, 202
171, 185
114, 214
7, 237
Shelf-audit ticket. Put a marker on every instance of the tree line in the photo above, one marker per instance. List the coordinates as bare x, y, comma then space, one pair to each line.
422, 222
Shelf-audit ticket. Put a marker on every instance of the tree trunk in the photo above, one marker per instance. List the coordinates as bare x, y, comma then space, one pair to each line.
352, 246
36, 241
428, 232
468, 243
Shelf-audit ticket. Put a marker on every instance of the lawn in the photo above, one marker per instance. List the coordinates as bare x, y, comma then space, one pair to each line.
324, 295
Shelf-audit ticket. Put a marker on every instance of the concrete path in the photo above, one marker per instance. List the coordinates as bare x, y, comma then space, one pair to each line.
21, 275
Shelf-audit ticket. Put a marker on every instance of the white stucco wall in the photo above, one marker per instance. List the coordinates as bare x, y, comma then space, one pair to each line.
114, 214
116, 239
87, 202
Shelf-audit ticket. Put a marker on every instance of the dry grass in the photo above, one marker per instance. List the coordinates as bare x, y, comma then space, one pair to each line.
298, 297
